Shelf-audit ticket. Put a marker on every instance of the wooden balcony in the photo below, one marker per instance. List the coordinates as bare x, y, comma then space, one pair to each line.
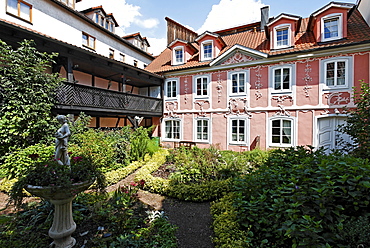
74, 98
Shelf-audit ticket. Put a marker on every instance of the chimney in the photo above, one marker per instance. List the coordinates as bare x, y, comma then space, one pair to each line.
264, 16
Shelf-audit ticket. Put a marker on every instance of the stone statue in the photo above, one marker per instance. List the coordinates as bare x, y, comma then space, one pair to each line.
61, 141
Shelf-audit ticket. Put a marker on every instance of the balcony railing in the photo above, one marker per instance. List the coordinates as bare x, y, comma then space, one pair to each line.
87, 98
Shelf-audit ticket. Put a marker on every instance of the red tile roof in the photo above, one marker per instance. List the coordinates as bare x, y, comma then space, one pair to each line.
358, 31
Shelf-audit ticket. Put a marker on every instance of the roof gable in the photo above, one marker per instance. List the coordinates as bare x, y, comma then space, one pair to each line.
212, 36
238, 54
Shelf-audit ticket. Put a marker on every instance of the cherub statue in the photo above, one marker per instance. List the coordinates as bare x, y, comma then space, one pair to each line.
61, 141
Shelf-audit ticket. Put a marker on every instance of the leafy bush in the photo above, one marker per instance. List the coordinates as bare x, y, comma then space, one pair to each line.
192, 192
358, 122
301, 198
140, 141
227, 231
25, 120
121, 143
16, 164
97, 145
356, 231
119, 215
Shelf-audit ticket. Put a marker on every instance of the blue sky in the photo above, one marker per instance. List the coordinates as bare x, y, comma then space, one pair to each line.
148, 16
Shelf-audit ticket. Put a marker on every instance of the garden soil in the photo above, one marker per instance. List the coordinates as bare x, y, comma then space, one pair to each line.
192, 219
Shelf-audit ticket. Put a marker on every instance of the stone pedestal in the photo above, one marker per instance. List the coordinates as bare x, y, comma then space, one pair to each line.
63, 224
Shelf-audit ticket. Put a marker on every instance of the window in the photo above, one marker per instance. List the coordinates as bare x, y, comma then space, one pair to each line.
171, 89
121, 57
281, 132
238, 131
238, 83
282, 36
135, 63
88, 41
111, 53
282, 79
179, 55
202, 132
172, 129
19, 9
201, 87
331, 27
70, 3
207, 51
336, 72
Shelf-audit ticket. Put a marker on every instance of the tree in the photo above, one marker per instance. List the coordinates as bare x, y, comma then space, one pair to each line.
26, 96
358, 122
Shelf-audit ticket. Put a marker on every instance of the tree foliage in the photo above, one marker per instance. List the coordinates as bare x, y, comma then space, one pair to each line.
26, 95
358, 122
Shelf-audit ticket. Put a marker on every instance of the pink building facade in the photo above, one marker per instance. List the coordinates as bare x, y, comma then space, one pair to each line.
277, 83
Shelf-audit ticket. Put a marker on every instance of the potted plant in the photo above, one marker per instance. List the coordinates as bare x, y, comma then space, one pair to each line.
59, 179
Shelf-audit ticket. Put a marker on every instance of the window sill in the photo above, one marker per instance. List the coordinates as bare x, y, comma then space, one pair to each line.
20, 18
326, 88
90, 48
281, 92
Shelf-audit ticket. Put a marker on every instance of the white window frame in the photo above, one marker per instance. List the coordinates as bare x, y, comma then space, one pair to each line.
91, 41
18, 13
174, 57
292, 131
338, 16
246, 128
172, 120
203, 44
195, 83
292, 76
348, 72
281, 27
202, 119
171, 81
231, 86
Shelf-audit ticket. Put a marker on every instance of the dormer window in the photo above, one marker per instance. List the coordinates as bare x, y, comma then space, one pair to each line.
331, 27
178, 54
207, 49
282, 36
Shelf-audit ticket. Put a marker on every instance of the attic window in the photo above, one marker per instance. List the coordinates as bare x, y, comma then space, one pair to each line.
178, 55
331, 27
207, 50
282, 36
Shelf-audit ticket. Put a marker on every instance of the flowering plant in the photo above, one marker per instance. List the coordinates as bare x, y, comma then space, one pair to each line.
47, 172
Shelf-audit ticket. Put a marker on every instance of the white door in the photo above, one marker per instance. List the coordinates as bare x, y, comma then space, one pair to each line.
327, 136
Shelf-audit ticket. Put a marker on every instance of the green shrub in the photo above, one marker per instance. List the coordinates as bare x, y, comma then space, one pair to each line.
26, 96
192, 192
227, 230
16, 164
301, 198
139, 143
120, 140
358, 123
98, 146
356, 231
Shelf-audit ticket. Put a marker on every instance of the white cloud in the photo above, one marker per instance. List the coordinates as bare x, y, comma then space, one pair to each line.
148, 23
231, 13
124, 13
157, 45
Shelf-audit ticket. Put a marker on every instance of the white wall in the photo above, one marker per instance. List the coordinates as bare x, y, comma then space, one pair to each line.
52, 20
